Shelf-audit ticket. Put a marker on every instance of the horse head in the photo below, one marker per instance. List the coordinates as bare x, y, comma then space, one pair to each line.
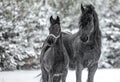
54, 30
86, 22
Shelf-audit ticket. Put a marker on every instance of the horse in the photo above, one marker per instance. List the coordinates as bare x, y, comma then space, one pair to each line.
84, 47
54, 59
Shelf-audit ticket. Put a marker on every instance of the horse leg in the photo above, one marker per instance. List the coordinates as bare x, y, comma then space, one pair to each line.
50, 77
57, 79
64, 75
91, 72
44, 75
79, 72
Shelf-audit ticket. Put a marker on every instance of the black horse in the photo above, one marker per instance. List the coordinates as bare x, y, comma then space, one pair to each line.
54, 59
84, 47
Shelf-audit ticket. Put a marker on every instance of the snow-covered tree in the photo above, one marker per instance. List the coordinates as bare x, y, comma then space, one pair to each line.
24, 26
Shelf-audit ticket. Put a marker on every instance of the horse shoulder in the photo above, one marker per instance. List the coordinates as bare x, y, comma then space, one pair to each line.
45, 47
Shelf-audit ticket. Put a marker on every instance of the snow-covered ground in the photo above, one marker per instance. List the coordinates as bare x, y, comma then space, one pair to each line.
102, 75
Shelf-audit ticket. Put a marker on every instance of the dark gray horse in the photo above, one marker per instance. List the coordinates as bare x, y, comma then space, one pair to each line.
84, 47
54, 58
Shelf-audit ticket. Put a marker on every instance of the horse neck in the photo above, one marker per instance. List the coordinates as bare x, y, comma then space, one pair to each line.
58, 53
58, 49
95, 37
59, 43
97, 32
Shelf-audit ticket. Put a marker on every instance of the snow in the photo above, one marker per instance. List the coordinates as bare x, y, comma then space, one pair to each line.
102, 75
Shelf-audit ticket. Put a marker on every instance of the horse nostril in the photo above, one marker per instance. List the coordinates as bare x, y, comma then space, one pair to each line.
84, 39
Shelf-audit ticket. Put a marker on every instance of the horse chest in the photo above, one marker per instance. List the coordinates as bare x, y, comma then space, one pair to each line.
87, 46
59, 57
89, 57
59, 63
53, 59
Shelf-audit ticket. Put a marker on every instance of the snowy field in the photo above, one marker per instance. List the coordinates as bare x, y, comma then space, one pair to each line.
102, 75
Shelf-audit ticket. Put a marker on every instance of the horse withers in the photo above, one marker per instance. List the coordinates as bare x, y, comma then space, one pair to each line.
54, 59
84, 47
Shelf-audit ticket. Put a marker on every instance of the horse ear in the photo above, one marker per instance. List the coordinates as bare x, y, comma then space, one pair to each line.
82, 8
58, 19
51, 20
92, 7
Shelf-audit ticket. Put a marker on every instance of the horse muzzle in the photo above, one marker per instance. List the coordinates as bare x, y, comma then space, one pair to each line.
52, 39
84, 38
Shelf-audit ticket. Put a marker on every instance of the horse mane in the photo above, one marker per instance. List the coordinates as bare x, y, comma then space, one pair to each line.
97, 32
